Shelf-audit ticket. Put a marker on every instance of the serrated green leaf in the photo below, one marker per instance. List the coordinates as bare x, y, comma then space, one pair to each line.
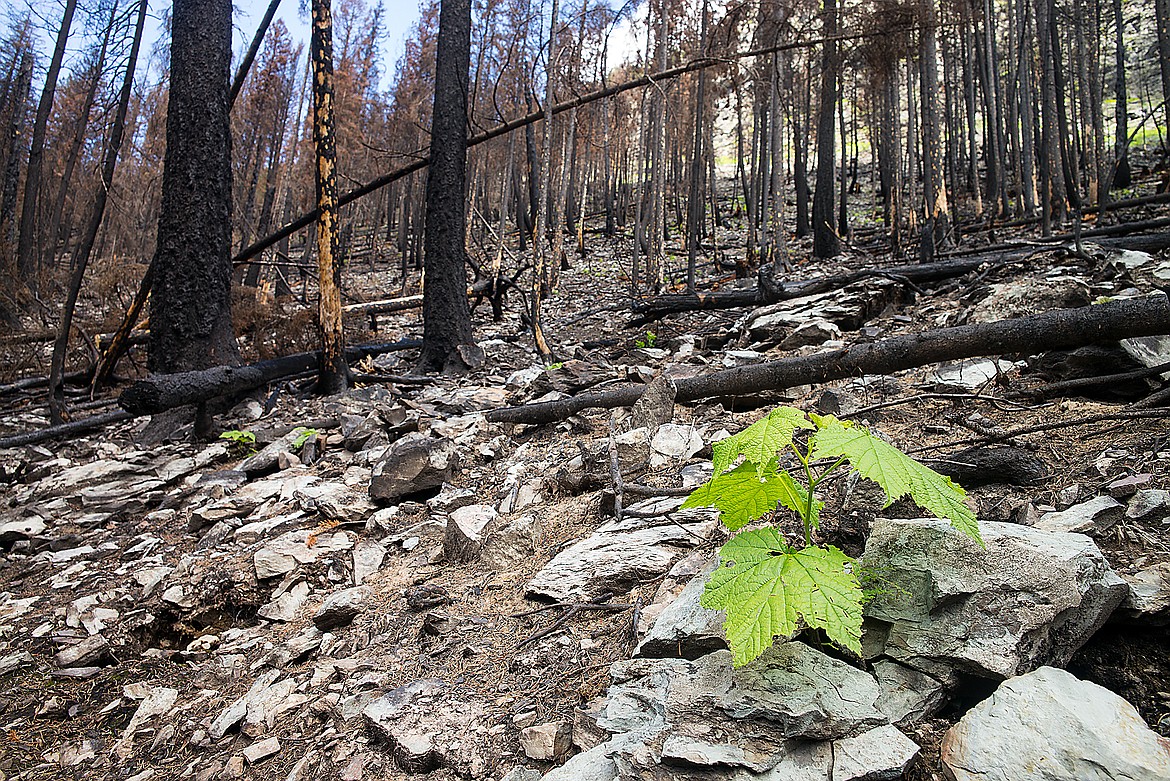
759, 442
741, 495
897, 473
766, 587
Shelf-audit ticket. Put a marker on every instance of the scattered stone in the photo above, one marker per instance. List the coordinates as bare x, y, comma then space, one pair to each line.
1093, 517
83, 653
23, 529
426, 597
261, 750
1049, 726
269, 456
1149, 504
15, 661
910, 695
547, 742
415, 463
1125, 487
234, 767
810, 334
451, 498
804, 693
672, 441
1149, 595
1149, 351
882, 754
368, 556
619, 555
464, 536
684, 628
282, 555
341, 608
1029, 598
970, 375
157, 702
286, 606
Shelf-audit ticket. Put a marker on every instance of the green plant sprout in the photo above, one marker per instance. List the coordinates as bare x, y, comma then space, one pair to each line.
303, 436
646, 341
767, 586
245, 441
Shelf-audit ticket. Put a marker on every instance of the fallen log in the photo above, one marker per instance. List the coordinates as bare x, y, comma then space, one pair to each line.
66, 429
161, 392
1058, 329
651, 308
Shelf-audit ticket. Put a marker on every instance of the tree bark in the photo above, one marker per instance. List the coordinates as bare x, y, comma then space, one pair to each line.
190, 321
1054, 330
85, 248
447, 337
26, 249
333, 374
825, 241
161, 392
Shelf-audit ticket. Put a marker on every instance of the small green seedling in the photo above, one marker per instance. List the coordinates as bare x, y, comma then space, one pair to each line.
303, 436
767, 586
647, 341
244, 441
552, 367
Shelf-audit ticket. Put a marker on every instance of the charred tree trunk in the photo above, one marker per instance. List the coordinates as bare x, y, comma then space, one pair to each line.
81, 261
825, 241
333, 374
26, 250
190, 320
447, 342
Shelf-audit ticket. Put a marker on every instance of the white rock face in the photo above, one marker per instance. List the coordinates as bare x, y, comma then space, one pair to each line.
1050, 726
1093, 517
618, 555
466, 528
1030, 598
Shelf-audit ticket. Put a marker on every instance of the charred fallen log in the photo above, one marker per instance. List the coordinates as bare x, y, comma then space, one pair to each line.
165, 391
658, 306
1058, 329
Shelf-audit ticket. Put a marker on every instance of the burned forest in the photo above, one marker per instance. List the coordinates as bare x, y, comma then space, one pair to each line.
507, 390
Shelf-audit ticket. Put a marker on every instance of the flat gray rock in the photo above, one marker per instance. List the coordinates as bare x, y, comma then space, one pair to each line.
617, 556
1149, 595
417, 462
685, 628
341, 608
1030, 598
1093, 517
1049, 726
804, 693
1148, 504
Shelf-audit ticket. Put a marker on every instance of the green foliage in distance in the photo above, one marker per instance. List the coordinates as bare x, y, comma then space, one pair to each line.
244, 441
302, 437
768, 587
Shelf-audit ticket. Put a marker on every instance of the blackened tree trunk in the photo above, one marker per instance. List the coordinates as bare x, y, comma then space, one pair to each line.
81, 261
825, 241
190, 320
333, 373
13, 134
26, 249
1121, 174
1162, 15
447, 343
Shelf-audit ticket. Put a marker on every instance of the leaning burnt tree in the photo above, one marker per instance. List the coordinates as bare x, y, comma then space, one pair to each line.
447, 342
190, 313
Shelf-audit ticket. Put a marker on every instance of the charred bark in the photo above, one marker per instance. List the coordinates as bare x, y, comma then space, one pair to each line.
447, 341
1058, 329
190, 320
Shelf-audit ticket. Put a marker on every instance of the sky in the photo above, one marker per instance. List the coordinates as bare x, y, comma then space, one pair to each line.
398, 19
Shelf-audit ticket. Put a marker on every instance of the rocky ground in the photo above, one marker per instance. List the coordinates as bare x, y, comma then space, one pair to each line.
385, 585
